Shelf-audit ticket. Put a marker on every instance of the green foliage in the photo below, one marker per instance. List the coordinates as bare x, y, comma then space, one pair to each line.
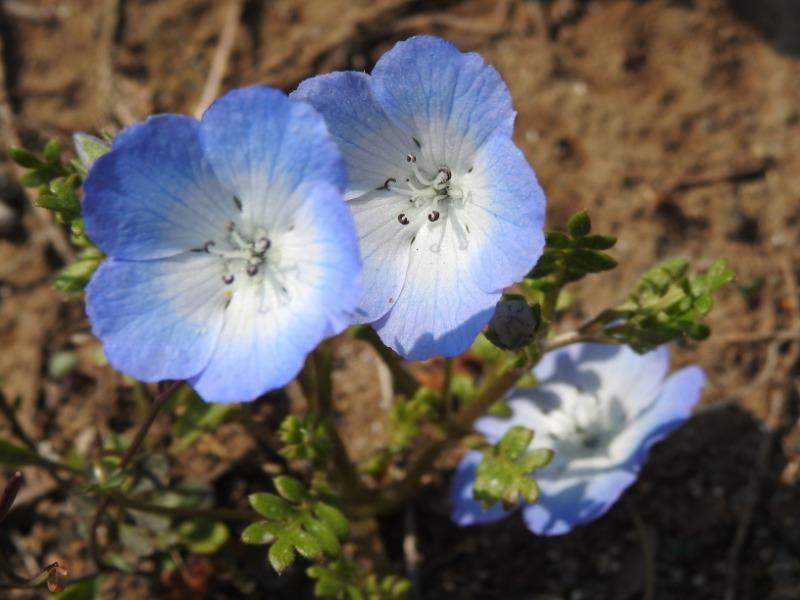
202, 536
666, 305
407, 416
12, 456
573, 255
304, 438
89, 148
89, 589
295, 522
59, 191
195, 417
504, 473
346, 580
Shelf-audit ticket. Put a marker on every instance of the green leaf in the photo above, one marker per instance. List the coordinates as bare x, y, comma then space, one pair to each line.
34, 179
589, 261
333, 518
579, 225
52, 151
12, 456
89, 148
290, 488
515, 441
556, 239
719, 274
202, 536
281, 555
196, 418
325, 536
529, 490
271, 506
305, 543
598, 242
262, 532
24, 158
88, 589
535, 459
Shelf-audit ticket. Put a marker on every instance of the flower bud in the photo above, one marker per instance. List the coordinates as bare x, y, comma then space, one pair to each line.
514, 323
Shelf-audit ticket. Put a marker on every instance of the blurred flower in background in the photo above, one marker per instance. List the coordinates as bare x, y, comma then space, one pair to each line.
600, 408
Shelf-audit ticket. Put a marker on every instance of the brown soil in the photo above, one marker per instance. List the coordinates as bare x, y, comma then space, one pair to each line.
676, 123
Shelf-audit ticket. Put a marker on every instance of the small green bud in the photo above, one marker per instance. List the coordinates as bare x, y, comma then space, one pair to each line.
579, 225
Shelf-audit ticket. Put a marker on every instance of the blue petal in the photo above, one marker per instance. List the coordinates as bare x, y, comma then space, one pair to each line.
264, 146
385, 249
158, 319
466, 510
678, 395
440, 309
505, 215
154, 195
450, 101
607, 369
563, 507
264, 341
372, 147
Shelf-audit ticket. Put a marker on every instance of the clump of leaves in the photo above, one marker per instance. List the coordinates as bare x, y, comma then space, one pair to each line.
295, 523
304, 438
345, 579
666, 305
504, 473
59, 191
408, 415
572, 255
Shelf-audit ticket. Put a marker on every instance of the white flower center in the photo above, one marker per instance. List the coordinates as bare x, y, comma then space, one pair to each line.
251, 261
582, 424
434, 199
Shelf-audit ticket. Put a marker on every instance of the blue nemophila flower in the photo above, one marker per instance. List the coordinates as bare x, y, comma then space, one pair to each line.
601, 408
447, 209
232, 253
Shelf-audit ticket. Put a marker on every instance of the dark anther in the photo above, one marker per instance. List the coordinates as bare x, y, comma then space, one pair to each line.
386, 183
402, 218
265, 243
416, 141
433, 216
447, 172
231, 226
470, 169
227, 279
207, 246
411, 158
237, 201
467, 228
251, 269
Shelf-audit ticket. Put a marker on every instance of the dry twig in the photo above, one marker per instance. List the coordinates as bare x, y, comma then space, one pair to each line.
222, 54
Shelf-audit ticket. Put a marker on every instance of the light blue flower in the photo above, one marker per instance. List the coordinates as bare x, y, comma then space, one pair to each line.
447, 209
601, 408
232, 253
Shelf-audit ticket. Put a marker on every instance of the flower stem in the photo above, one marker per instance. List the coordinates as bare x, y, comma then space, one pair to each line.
155, 408
494, 387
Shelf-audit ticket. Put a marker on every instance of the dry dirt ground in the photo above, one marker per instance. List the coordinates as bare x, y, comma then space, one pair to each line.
675, 123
